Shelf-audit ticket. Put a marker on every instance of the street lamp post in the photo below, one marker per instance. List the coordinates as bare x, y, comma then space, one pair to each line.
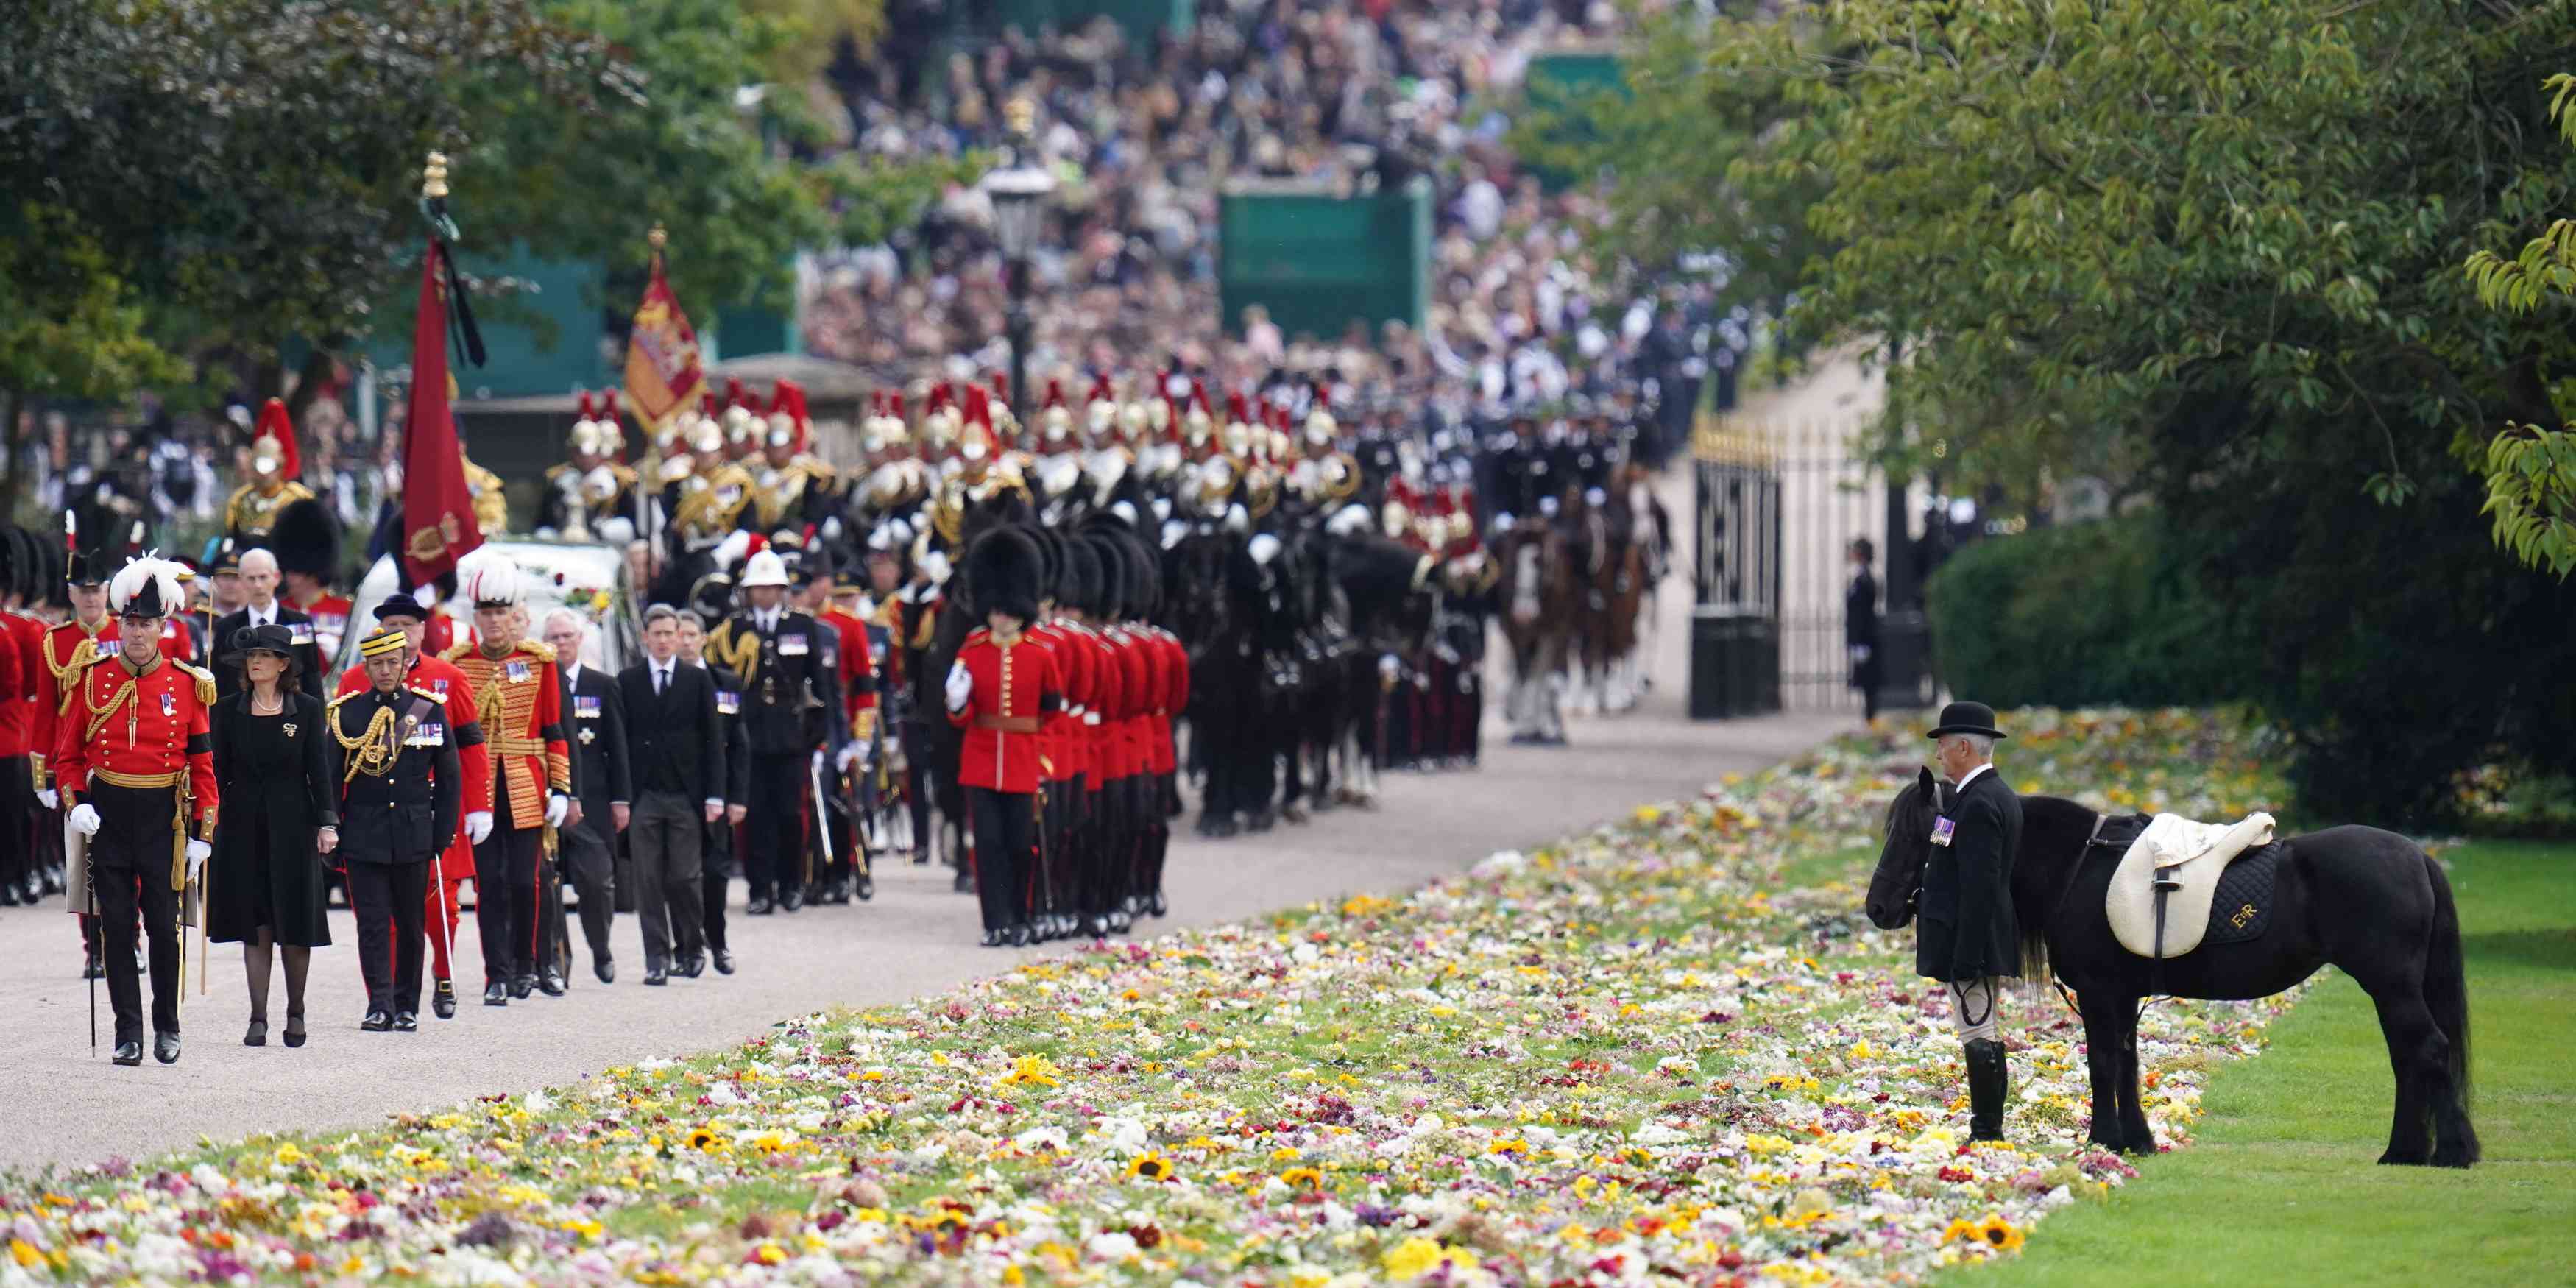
1019, 192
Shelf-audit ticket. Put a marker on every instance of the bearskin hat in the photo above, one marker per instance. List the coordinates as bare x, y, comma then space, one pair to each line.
1004, 573
1077, 583
306, 539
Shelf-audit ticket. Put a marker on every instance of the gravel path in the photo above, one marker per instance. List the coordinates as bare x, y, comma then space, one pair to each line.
916, 938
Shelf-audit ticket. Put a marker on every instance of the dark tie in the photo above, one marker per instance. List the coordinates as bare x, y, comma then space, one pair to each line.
661, 680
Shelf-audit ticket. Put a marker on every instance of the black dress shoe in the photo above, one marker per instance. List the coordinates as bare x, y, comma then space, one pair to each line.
758, 907
551, 983
294, 1035
165, 1047
965, 882
605, 968
997, 939
1022, 936
692, 968
8, 894
521, 986
406, 1022
496, 993
442, 1002
792, 900
258, 1034
1156, 906
654, 978
920, 857
95, 967
724, 961
129, 1053
376, 1022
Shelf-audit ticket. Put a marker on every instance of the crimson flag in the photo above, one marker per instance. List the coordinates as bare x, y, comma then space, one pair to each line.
438, 514
663, 375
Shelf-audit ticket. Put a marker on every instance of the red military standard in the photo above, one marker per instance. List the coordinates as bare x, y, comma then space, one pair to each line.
1000, 691
454, 865
518, 700
133, 766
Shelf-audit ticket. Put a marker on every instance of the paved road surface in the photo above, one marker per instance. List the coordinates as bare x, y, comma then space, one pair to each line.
72, 1107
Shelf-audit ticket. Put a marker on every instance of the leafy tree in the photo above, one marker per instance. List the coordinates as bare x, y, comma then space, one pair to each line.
251, 168
2530, 468
1684, 157
69, 327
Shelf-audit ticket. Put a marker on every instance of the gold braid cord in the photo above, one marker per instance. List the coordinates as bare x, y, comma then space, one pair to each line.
371, 753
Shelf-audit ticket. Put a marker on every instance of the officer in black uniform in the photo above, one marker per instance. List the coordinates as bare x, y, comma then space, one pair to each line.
789, 669
401, 787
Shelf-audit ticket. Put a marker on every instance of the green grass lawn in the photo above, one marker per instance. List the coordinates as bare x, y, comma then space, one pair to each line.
2280, 1186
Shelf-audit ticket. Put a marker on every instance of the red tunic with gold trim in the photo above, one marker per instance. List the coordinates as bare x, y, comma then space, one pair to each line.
144, 730
1138, 675
1056, 739
64, 650
1015, 686
857, 674
26, 635
442, 682
518, 699
1105, 693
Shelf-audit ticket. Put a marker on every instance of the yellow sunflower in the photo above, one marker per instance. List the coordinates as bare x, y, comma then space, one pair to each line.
1303, 1178
1999, 1234
705, 1139
1151, 1167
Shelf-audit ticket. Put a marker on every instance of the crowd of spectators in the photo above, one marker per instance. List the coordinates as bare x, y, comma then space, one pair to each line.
1146, 131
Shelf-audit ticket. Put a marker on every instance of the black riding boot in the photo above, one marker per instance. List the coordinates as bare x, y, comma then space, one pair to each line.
1985, 1090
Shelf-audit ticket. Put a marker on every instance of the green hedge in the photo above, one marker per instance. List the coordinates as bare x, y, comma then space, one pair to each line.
2085, 615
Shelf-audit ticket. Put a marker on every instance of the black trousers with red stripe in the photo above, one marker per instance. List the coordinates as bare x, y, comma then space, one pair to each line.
390, 900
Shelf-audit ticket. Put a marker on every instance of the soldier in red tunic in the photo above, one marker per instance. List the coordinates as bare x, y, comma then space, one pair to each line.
518, 699
999, 691
455, 865
132, 764
65, 650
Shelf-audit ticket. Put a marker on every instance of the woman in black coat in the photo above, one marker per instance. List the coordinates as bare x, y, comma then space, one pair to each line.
279, 818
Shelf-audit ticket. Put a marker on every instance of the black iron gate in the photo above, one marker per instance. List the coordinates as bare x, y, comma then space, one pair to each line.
1778, 508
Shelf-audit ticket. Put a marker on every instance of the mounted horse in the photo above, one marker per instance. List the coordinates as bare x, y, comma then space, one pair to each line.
2369, 902
1541, 592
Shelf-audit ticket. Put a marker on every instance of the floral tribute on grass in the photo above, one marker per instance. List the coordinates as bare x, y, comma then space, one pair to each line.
1668, 1048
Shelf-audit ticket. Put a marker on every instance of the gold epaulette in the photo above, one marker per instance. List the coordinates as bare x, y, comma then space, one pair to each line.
556, 473
431, 694
334, 703
205, 683
538, 649
456, 650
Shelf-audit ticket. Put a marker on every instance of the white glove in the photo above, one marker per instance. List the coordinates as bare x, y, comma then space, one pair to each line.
85, 819
852, 753
557, 805
961, 686
477, 826
818, 760
197, 854
52, 799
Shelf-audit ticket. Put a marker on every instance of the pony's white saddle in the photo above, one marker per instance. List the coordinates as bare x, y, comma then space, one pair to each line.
2173, 868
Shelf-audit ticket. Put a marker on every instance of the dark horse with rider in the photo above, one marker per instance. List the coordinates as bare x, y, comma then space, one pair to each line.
2011, 886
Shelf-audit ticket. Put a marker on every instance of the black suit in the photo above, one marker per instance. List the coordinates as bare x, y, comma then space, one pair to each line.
1967, 929
716, 872
595, 725
679, 763
308, 653
1860, 637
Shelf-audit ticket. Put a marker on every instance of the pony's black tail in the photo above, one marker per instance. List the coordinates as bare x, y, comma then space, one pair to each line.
2446, 983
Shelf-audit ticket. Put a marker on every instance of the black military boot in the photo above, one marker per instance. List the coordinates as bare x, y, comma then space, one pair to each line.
1985, 1090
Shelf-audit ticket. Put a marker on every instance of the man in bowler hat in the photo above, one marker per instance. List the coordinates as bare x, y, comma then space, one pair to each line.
1965, 937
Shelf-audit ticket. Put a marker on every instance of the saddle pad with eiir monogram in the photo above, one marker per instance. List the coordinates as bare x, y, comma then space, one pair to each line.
2185, 859
2242, 909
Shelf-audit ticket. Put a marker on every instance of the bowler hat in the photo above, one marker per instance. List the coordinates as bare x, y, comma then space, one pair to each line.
1967, 717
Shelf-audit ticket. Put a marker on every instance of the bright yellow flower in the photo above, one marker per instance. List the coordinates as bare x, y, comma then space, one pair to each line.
1999, 1234
1418, 1256
1151, 1167
288, 1155
25, 1253
1303, 1178
1286, 1154
1032, 1070
769, 1254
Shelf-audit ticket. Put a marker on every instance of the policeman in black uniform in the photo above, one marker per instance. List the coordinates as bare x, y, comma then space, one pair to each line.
401, 787
789, 668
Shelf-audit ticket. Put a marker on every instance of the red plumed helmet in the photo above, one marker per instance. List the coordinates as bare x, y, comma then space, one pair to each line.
274, 426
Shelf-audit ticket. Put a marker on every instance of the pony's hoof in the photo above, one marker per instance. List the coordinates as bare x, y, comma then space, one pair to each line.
2395, 1159
2461, 1159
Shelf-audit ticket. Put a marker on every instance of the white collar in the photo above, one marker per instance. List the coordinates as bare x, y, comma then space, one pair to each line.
259, 618
767, 618
1962, 784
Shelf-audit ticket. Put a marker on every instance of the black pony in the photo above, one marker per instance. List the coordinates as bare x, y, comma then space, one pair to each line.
2371, 902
